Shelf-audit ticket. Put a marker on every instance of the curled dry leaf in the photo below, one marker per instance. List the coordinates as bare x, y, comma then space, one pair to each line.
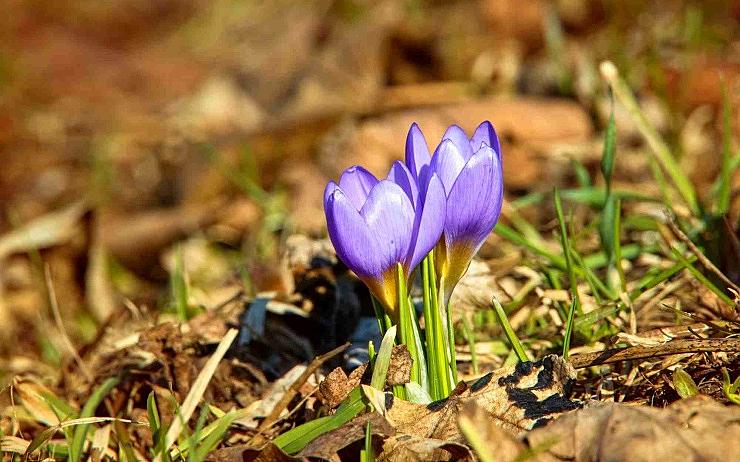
337, 385
694, 429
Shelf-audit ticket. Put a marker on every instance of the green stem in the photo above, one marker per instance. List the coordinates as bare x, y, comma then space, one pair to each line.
405, 321
451, 343
440, 348
380, 315
431, 338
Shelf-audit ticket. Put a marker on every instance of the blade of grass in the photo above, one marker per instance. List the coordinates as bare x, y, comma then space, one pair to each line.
659, 148
509, 332
126, 450
470, 338
701, 278
383, 359
80, 433
296, 439
724, 192
482, 447
367, 454
565, 243
179, 287
569, 329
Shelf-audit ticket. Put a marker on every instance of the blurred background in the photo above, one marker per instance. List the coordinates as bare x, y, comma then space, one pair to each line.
147, 142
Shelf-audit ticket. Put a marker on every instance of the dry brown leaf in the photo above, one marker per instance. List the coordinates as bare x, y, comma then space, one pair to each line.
502, 445
518, 397
269, 453
330, 445
417, 449
31, 395
693, 429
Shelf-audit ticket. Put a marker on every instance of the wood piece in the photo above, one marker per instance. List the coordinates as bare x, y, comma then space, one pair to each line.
674, 347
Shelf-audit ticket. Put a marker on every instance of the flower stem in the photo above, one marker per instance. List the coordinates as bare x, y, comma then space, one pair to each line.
406, 324
381, 316
451, 344
441, 349
437, 367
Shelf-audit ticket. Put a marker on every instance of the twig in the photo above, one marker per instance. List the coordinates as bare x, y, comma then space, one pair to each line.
295, 386
644, 352
60, 325
699, 255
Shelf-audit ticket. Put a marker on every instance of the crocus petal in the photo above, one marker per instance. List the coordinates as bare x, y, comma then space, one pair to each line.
417, 151
485, 134
389, 216
429, 223
476, 198
448, 162
458, 136
356, 182
401, 175
353, 240
328, 191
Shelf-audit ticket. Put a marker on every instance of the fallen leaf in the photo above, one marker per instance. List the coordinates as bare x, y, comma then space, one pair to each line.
410, 448
330, 445
517, 397
697, 428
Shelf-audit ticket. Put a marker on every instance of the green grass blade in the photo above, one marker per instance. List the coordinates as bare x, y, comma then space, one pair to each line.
125, 448
684, 384
510, 235
509, 332
213, 434
470, 338
660, 150
724, 192
564, 241
608, 228
701, 278
383, 359
367, 454
296, 439
610, 148
475, 438
158, 433
80, 433
569, 329
179, 287
582, 176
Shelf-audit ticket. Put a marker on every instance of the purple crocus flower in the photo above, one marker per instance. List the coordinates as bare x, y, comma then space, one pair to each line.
377, 224
472, 175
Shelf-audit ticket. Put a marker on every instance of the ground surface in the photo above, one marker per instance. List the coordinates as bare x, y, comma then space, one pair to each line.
161, 173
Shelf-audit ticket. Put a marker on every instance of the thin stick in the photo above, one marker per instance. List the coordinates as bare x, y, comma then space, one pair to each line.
699, 255
60, 324
295, 386
674, 347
